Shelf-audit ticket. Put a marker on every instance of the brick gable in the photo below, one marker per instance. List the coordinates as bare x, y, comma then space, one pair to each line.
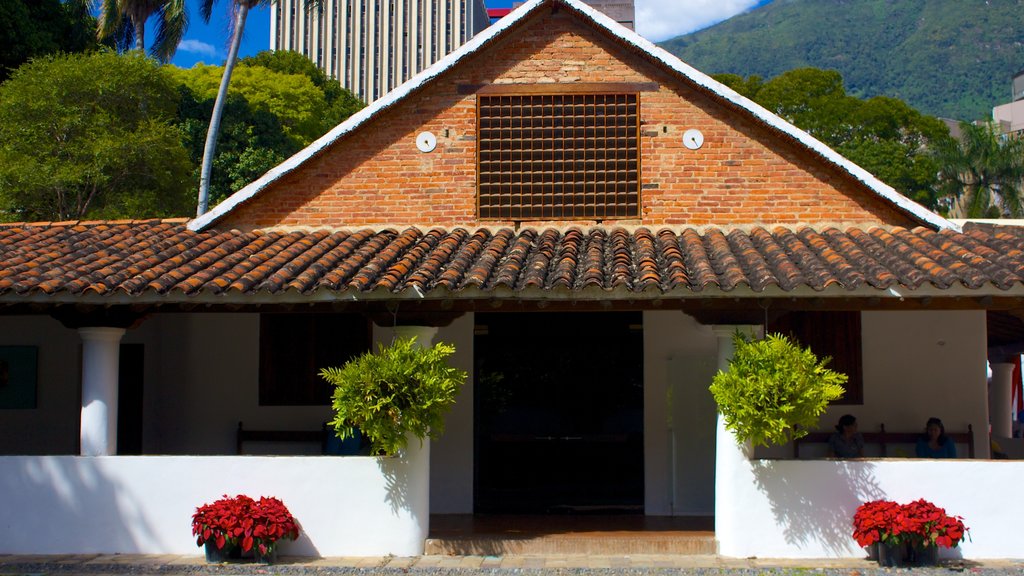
746, 173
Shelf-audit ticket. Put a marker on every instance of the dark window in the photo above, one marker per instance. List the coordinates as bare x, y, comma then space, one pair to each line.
563, 156
295, 347
834, 334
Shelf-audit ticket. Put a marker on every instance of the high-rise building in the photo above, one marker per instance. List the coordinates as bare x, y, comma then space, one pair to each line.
372, 46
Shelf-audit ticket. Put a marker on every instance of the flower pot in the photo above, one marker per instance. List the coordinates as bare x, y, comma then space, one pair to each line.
269, 558
924, 556
228, 553
873, 551
892, 555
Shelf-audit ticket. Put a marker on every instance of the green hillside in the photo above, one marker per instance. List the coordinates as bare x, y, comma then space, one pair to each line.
948, 58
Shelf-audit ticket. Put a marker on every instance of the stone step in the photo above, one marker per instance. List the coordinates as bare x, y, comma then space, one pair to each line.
689, 544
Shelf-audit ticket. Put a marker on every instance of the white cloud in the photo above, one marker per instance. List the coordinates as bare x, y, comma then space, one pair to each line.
659, 20
197, 47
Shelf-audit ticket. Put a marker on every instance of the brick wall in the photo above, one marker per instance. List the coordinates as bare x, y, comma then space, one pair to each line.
744, 174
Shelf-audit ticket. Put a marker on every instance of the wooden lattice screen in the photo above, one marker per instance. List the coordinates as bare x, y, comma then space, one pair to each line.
561, 156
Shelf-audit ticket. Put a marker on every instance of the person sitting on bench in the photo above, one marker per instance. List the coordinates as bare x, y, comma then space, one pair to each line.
935, 443
846, 442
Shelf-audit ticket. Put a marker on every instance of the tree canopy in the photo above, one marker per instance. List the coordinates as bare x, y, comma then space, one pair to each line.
90, 136
31, 28
982, 173
883, 135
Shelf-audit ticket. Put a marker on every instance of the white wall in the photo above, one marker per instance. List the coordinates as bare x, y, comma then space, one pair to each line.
52, 427
346, 506
916, 365
679, 415
204, 379
451, 455
804, 508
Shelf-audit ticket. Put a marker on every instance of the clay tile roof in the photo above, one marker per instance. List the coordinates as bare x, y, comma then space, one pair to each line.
163, 258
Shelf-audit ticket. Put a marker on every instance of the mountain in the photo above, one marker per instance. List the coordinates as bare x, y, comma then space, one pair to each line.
948, 58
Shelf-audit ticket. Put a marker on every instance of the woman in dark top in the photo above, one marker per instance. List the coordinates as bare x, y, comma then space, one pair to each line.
935, 443
846, 442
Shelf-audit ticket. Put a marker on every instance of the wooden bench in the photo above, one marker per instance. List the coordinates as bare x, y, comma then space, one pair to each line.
883, 439
294, 436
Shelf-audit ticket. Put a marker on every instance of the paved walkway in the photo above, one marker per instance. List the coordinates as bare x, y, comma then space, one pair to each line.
517, 565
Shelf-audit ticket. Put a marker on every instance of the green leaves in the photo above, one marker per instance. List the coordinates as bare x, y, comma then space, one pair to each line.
773, 386
400, 389
981, 172
883, 135
90, 136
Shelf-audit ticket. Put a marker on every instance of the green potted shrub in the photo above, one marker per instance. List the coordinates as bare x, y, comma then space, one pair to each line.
775, 390
399, 390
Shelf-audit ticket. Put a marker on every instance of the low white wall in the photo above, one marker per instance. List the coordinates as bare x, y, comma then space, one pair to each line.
804, 509
346, 506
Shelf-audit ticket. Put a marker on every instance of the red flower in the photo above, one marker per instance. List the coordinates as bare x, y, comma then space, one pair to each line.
242, 520
920, 522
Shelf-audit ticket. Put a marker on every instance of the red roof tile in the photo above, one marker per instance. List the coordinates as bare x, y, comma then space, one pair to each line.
165, 258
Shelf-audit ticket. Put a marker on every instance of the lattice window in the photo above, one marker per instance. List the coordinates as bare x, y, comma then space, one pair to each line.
561, 156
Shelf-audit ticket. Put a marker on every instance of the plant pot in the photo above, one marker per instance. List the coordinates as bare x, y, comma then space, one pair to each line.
266, 559
873, 551
215, 555
924, 556
892, 555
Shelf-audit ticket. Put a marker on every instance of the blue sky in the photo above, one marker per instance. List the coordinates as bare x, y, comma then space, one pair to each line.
657, 20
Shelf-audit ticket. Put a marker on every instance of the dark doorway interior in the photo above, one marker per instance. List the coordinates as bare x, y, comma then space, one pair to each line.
129, 399
559, 413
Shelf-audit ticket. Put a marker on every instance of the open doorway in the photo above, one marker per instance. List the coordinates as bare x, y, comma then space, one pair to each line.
559, 413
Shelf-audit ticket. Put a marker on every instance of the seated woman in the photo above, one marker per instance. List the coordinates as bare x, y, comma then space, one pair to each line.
846, 442
935, 443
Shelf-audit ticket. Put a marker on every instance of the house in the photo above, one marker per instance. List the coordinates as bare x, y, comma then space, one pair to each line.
589, 221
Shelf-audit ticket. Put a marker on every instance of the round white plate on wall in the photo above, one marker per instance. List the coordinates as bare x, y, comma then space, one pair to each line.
693, 139
426, 142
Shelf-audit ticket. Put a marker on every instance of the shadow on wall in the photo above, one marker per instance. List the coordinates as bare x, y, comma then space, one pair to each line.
397, 472
61, 504
815, 501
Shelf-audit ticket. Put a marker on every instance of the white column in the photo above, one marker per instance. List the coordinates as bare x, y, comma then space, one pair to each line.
732, 462
100, 355
999, 400
424, 334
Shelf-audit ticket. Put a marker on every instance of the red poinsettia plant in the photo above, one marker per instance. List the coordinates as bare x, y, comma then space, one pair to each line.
242, 521
919, 523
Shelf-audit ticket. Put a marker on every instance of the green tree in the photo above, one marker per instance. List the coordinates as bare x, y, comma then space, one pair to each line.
883, 135
981, 172
125, 20
341, 103
90, 136
292, 98
252, 141
242, 8
31, 28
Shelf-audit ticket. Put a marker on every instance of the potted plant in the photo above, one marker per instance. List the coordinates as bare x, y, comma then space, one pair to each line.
907, 533
401, 389
774, 390
229, 527
872, 525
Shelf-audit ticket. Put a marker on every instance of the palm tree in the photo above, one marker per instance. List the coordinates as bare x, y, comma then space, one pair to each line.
125, 20
982, 172
242, 8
